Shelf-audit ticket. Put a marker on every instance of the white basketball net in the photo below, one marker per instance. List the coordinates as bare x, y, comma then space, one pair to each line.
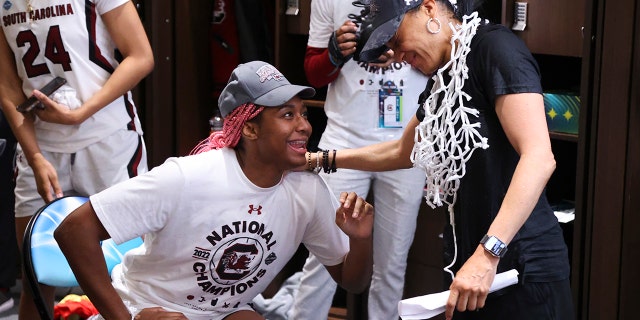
446, 139
440, 148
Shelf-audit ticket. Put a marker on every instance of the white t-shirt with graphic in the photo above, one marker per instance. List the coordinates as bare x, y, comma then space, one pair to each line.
213, 240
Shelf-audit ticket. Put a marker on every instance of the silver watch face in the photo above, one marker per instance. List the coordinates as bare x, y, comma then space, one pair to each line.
494, 246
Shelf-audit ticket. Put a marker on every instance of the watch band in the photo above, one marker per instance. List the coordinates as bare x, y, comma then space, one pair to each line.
494, 246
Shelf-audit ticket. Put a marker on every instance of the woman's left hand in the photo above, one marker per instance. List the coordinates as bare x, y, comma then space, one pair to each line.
471, 285
384, 60
54, 112
355, 216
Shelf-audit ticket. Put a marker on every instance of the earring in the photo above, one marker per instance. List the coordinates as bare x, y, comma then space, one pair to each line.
437, 21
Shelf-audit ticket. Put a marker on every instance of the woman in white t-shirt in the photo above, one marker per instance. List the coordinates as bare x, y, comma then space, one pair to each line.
220, 224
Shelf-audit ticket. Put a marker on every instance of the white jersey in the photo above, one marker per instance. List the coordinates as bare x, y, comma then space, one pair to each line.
213, 240
365, 104
68, 39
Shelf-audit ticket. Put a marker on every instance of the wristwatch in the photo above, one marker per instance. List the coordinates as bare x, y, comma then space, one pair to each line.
494, 246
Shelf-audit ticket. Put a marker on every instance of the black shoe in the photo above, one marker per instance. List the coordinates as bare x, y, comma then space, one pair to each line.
6, 301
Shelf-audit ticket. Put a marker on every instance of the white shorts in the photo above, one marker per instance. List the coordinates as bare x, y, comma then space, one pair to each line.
115, 158
136, 303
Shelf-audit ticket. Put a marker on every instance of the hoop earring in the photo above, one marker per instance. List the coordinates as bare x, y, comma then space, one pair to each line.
437, 21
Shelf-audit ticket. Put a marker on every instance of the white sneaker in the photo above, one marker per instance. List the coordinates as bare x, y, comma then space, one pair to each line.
6, 301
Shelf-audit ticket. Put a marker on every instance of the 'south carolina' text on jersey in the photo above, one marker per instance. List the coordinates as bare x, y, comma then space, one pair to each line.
37, 14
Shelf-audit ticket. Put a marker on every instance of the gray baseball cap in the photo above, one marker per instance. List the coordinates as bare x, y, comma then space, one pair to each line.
260, 83
379, 26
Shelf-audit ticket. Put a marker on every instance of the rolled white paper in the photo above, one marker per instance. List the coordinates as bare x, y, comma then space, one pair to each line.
430, 305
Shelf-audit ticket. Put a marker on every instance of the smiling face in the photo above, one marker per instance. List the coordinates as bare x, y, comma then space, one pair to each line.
421, 49
282, 134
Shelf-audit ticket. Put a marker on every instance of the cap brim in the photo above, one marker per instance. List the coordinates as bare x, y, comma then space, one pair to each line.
375, 41
281, 95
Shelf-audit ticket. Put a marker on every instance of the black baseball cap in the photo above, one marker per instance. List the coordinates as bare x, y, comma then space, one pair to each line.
260, 83
379, 26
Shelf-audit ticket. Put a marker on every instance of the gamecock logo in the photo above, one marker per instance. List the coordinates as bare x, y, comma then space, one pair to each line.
236, 260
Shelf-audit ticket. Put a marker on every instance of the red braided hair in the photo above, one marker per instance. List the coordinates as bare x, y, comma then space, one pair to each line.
231, 131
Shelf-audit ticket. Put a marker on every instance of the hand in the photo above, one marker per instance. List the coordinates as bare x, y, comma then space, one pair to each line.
342, 44
354, 216
158, 313
54, 112
46, 178
346, 37
471, 285
384, 60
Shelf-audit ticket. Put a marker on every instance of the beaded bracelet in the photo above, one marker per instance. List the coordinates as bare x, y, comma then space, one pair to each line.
325, 161
333, 162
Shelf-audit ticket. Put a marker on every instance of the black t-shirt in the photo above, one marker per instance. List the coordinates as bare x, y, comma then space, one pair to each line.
499, 63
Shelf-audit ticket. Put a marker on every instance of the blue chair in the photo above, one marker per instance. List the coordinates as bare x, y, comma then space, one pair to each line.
42, 258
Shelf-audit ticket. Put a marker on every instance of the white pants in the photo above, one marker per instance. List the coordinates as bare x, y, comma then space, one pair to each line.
115, 158
397, 197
